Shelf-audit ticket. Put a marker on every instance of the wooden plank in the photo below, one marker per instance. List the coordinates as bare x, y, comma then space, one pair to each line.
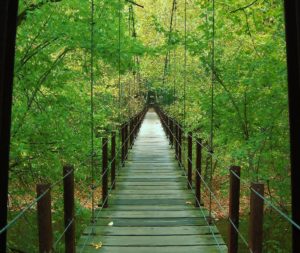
156, 202
151, 169
183, 197
152, 176
144, 176
152, 165
152, 214
148, 187
138, 231
136, 183
152, 241
149, 174
170, 249
144, 179
151, 192
154, 222
152, 207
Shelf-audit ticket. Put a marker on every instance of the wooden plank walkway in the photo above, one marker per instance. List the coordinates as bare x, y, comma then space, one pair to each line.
151, 210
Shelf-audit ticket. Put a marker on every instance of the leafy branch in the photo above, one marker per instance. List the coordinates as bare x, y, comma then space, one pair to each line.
23, 14
41, 80
244, 7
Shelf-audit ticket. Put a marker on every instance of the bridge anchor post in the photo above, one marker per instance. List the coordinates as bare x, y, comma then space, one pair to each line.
198, 172
180, 145
234, 207
176, 141
256, 217
104, 173
69, 213
113, 161
126, 140
44, 218
171, 133
131, 133
190, 160
123, 145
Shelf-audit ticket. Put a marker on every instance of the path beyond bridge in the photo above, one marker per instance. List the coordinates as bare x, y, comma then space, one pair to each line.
151, 210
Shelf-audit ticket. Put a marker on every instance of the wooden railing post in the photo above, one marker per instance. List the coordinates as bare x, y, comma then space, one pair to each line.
69, 214
113, 160
160, 115
126, 140
179, 144
104, 173
136, 126
256, 217
141, 116
176, 140
171, 132
131, 133
44, 219
123, 144
234, 207
190, 160
139, 121
168, 127
198, 172
164, 118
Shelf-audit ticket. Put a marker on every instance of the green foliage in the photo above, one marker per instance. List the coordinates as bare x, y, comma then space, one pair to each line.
250, 87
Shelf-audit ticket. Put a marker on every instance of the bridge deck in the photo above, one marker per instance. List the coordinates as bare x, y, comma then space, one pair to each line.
151, 210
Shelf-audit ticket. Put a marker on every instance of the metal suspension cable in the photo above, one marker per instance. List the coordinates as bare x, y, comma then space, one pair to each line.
119, 67
24, 210
118, 152
208, 221
91, 193
92, 104
130, 34
62, 234
136, 58
184, 72
109, 192
212, 76
93, 189
22, 213
185, 63
175, 62
97, 216
212, 102
165, 72
268, 202
119, 59
223, 210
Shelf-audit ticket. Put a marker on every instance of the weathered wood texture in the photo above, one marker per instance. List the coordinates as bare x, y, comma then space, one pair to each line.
151, 209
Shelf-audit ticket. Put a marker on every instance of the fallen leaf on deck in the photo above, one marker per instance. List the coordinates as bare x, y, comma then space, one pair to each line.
97, 245
188, 202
